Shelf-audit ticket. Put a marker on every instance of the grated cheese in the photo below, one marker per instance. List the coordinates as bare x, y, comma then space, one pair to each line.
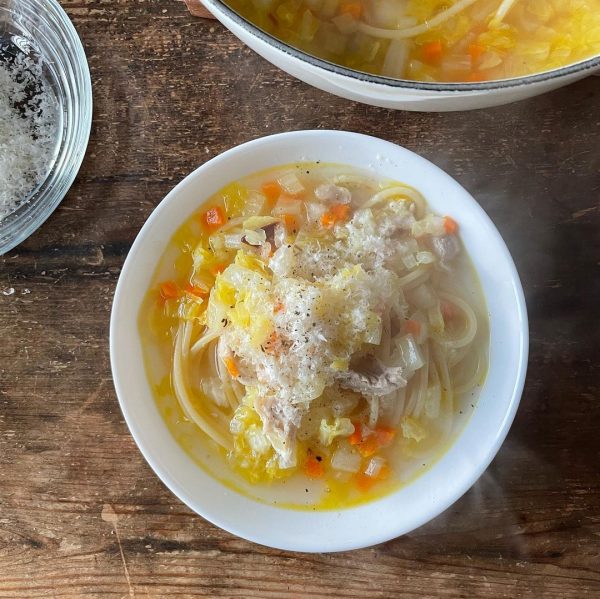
27, 130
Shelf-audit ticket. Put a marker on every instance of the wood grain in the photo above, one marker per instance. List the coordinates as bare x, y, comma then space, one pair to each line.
81, 514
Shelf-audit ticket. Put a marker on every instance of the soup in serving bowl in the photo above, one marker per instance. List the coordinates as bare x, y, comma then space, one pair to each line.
318, 331
312, 334
429, 56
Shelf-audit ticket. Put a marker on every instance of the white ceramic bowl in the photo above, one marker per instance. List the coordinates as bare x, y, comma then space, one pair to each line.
446, 480
394, 93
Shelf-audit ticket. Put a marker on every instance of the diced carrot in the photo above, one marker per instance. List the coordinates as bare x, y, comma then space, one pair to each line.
365, 483
432, 52
384, 435
475, 52
313, 468
279, 307
369, 446
413, 327
356, 437
272, 191
195, 290
231, 367
337, 213
450, 225
328, 220
169, 290
217, 269
340, 211
213, 218
354, 9
290, 222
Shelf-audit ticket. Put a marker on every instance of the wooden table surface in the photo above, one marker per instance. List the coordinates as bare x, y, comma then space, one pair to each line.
82, 514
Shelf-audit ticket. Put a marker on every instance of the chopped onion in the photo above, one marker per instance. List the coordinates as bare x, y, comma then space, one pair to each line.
315, 211
346, 23
291, 184
287, 205
254, 203
375, 466
346, 459
425, 257
394, 64
233, 240
409, 352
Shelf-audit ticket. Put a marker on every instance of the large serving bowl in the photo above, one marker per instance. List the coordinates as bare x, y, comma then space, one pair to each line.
393, 93
418, 501
43, 28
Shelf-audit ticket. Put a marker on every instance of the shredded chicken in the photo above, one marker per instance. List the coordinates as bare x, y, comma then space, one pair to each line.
373, 384
327, 192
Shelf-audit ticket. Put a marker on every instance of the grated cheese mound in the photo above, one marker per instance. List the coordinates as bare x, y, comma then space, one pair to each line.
296, 324
27, 131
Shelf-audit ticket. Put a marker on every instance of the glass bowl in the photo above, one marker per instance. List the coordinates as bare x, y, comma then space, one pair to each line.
42, 28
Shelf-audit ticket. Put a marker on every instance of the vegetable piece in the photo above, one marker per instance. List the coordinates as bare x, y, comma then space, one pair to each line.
279, 307
377, 468
217, 269
309, 25
291, 184
336, 213
410, 353
231, 367
385, 436
475, 52
272, 191
234, 197
354, 9
346, 459
394, 64
424, 258
413, 327
411, 429
368, 447
432, 52
341, 427
356, 437
340, 211
196, 290
213, 218
169, 290
313, 468
290, 222
450, 225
